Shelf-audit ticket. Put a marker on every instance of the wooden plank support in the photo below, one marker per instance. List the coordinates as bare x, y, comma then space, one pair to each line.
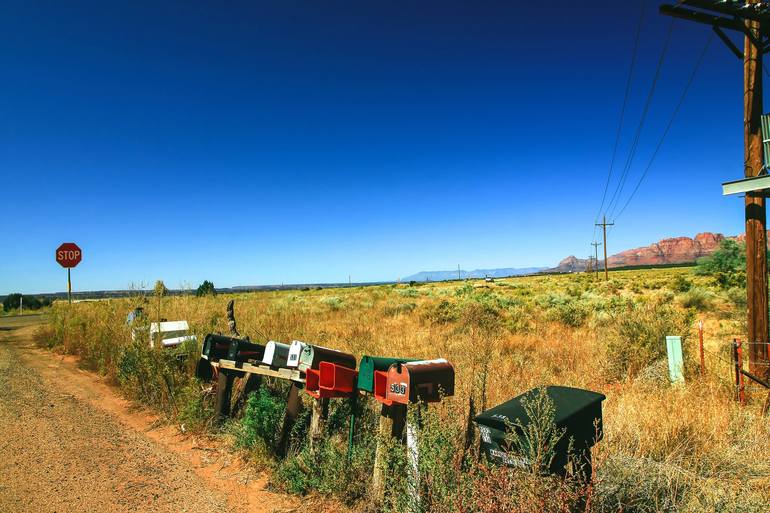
293, 402
264, 370
224, 393
318, 418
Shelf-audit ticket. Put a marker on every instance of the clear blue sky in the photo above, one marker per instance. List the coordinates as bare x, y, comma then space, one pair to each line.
301, 141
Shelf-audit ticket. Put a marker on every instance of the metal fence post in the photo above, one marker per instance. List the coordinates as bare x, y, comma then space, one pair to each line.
700, 339
737, 359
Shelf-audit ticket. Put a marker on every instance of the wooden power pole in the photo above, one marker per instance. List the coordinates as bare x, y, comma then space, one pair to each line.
756, 218
604, 224
747, 18
596, 256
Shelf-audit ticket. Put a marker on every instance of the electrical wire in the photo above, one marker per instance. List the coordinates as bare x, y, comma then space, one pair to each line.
632, 152
668, 125
622, 115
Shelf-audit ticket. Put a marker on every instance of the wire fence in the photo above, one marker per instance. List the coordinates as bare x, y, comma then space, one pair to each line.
729, 364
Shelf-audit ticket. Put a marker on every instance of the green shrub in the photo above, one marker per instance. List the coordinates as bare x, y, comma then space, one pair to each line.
402, 308
635, 338
333, 302
698, 298
409, 292
681, 283
151, 376
727, 264
565, 309
206, 289
443, 313
261, 419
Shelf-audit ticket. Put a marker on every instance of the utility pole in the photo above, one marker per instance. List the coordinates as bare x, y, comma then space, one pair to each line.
604, 224
746, 18
756, 218
458, 272
596, 256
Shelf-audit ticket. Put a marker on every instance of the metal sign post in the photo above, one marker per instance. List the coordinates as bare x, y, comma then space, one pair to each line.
69, 255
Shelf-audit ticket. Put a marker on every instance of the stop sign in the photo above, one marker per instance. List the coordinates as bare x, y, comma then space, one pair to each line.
68, 254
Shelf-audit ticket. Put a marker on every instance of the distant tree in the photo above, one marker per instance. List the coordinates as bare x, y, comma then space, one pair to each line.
727, 264
160, 288
206, 289
11, 301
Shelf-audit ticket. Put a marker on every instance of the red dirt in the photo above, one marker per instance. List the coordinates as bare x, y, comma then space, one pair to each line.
70, 443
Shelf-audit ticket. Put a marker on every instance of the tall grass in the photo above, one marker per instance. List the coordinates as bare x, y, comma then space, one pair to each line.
666, 448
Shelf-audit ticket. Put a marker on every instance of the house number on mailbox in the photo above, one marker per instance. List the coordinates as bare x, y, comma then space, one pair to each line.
398, 388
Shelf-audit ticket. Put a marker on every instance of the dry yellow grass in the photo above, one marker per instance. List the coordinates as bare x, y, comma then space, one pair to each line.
692, 442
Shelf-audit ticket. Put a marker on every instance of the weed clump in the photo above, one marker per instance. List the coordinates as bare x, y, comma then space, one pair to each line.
635, 338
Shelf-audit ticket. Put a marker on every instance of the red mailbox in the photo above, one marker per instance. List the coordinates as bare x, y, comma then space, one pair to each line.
330, 380
381, 387
312, 381
422, 381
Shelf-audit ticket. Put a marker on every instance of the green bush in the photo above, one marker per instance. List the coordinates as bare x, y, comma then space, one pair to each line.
333, 302
261, 419
566, 309
206, 289
635, 338
153, 377
681, 283
727, 264
409, 292
697, 298
12, 301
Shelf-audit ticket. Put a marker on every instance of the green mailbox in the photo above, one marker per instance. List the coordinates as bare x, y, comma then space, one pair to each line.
578, 412
370, 364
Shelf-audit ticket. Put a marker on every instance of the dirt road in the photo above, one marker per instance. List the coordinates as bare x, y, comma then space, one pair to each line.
69, 443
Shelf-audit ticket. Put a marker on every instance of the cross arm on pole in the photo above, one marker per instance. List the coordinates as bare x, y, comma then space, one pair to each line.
718, 21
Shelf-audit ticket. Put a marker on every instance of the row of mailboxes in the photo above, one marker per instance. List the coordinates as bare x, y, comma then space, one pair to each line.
332, 373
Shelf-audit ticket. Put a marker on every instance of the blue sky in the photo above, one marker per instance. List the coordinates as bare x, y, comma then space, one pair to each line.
301, 141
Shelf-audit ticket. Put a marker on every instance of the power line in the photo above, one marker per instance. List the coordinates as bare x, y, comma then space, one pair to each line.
622, 115
670, 123
632, 152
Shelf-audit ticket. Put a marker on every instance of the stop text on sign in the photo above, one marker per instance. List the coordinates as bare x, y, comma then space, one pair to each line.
69, 254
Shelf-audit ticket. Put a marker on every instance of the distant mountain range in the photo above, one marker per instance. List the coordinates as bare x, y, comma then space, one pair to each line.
478, 273
675, 250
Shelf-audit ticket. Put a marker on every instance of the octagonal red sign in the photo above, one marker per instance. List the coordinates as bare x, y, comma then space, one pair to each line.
68, 254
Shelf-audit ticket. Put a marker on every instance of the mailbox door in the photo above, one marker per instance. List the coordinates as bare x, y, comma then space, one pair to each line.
398, 384
276, 354
295, 350
215, 347
381, 387
306, 358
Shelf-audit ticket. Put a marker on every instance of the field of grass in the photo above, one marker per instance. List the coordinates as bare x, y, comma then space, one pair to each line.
666, 448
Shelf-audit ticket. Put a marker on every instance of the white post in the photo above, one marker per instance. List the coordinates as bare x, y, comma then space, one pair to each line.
413, 458
21, 304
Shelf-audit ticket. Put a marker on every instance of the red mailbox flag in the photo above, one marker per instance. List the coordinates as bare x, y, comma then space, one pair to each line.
68, 255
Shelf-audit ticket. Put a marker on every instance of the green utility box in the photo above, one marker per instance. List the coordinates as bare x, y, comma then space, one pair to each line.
578, 412
369, 364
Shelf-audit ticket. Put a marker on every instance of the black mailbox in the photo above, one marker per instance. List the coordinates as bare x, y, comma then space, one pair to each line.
215, 347
578, 412
244, 351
